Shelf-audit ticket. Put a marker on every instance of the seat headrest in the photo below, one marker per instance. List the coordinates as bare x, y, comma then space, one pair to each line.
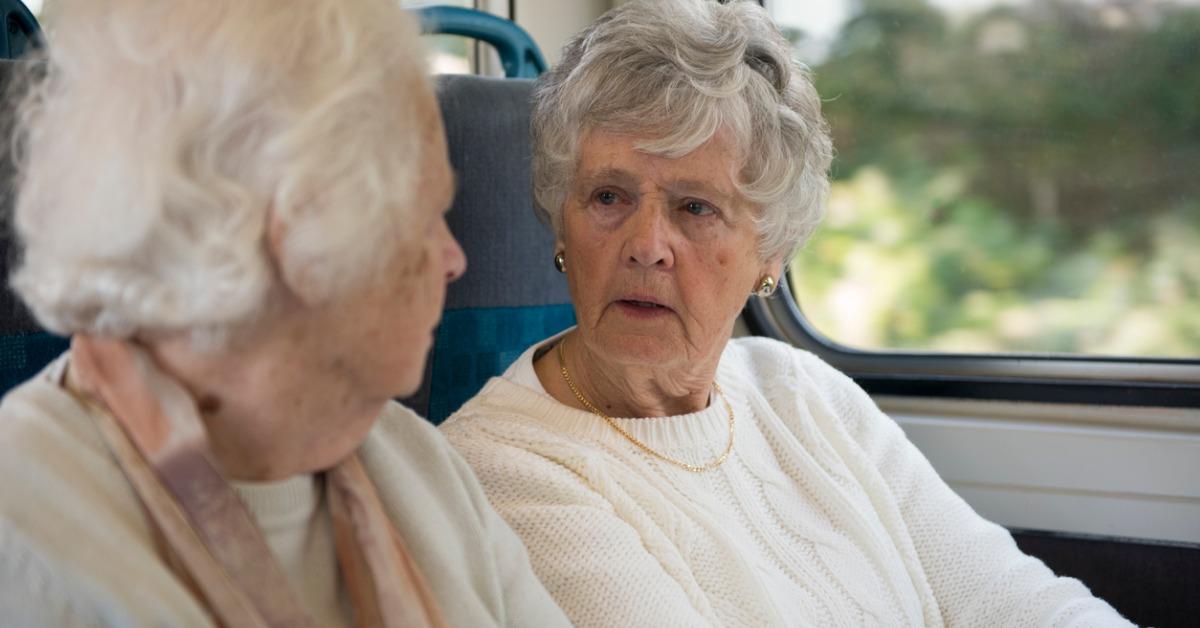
14, 318
509, 251
24, 347
511, 296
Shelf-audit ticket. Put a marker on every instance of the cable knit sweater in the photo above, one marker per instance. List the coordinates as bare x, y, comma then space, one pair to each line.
824, 515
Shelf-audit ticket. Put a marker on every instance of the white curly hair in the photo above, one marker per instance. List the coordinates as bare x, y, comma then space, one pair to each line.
676, 72
158, 139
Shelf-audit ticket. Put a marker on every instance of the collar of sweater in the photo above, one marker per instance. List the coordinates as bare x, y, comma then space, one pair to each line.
703, 430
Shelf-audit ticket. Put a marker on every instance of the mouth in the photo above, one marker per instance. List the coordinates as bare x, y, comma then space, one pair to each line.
642, 304
642, 307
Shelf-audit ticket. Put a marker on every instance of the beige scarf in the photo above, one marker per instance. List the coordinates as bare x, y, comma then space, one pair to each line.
209, 539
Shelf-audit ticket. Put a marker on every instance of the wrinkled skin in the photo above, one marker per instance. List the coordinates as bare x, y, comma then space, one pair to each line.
637, 229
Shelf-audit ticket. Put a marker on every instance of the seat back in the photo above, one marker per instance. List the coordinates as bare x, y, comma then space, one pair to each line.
24, 347
511, 296
21, 30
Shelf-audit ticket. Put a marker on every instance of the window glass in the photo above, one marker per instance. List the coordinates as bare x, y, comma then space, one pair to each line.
448, 54
1011, 176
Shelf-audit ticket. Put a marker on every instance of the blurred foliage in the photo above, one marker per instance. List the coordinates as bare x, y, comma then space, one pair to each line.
1022, 179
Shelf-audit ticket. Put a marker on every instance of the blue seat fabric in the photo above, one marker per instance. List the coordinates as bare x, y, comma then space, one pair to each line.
511, 296
24, 347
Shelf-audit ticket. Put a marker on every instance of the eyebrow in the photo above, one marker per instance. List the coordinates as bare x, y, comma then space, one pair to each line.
618, 176
679, 187
690, 187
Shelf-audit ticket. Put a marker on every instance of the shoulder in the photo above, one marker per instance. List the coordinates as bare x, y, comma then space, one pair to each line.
407, 456
72, 535
529, 450
504, 415
507, 419
767, 361
470, 558
54, 467
798, 383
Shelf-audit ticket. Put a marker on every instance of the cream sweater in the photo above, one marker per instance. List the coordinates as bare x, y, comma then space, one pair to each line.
824, 515
75, 549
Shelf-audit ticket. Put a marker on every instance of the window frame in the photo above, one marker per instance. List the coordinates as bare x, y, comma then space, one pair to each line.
1047, 378
1077, 379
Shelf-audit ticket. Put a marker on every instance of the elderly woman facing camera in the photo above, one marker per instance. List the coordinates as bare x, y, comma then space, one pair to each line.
661, 473
235, 207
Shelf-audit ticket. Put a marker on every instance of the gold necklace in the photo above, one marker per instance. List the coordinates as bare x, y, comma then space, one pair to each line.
562, 363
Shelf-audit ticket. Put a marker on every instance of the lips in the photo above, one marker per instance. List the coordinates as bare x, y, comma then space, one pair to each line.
644, 302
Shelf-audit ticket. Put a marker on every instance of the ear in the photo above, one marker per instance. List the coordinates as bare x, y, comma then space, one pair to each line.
774, 268
291, 276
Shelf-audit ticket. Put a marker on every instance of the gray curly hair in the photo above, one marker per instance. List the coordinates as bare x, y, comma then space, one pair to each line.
676, 72
161, 135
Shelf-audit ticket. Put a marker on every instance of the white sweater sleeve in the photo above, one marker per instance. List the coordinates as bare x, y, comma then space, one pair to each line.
601, 569
525, 600
978, 574
33, 593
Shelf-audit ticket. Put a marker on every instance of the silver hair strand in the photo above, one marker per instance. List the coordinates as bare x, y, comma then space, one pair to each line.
159, 137
677, 72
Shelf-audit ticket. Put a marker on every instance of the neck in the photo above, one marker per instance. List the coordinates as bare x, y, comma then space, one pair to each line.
269, 409
627, 390
266, 417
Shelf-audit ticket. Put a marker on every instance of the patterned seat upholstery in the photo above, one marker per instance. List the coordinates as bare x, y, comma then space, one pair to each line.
510, 296
24, 347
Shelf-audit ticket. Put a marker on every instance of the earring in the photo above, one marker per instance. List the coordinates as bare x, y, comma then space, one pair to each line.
766, 286
560, 261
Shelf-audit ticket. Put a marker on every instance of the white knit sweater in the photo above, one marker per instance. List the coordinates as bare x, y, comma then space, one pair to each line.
824, 515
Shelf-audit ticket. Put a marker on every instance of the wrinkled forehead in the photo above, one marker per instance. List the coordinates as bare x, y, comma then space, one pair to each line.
631, 159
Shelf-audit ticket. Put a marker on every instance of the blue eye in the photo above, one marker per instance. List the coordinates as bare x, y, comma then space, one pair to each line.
607, 198
696, 208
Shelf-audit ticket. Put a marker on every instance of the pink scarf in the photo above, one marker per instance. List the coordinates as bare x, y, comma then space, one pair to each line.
206, 535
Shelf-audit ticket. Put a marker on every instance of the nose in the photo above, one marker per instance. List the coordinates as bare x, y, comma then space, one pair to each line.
648, 241
454, 261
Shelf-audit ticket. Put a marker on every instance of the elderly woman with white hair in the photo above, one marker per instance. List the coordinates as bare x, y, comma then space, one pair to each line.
662, 473
235, 208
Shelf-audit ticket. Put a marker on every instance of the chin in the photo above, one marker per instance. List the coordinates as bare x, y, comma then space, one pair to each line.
407, 390
638, 349
406, 378
332, 451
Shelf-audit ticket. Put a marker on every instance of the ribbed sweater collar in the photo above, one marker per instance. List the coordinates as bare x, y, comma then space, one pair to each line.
283, 503
707, 427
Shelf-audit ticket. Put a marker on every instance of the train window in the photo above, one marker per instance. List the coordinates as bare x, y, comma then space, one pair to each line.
452, 54
1010, 177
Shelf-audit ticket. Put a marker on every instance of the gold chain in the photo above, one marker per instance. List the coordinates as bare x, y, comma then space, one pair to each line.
562, 363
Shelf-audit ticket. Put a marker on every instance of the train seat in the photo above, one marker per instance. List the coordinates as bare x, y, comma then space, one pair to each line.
511, 296
24, 347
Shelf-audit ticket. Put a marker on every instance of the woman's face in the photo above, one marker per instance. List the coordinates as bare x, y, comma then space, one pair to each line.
661, 253
380, 335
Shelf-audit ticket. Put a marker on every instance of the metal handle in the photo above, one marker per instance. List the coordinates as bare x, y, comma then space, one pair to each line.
20, 30
518, 53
